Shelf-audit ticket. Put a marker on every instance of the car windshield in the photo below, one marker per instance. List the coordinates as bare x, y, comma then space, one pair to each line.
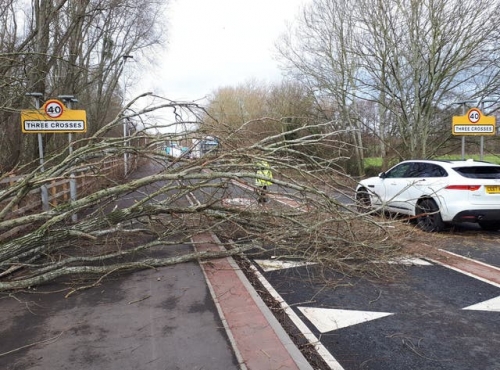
479, 172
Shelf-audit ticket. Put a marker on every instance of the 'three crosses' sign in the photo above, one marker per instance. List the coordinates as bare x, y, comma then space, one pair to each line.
473, 123
53, 117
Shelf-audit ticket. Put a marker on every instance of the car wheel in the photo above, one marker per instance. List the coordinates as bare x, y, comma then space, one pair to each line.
489, 225
363, 201
428, 216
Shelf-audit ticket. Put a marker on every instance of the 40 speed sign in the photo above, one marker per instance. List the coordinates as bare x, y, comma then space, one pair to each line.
54, 108
473, 123
53, 117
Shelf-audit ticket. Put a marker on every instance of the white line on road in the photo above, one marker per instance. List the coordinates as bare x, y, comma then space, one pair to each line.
322, 351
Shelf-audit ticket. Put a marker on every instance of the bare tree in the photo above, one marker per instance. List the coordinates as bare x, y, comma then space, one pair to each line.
317, 52
252, 112
120, 225
69, 48
413, 58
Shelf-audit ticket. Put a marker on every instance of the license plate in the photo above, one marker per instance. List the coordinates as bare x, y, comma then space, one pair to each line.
493, 189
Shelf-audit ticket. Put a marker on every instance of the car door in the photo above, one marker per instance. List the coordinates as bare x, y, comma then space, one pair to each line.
393, 187
425, 179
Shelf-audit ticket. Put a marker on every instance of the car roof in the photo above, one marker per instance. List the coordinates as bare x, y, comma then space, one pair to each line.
454, 163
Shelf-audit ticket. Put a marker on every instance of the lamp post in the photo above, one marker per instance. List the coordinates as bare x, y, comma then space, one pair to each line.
43, 189
125, 166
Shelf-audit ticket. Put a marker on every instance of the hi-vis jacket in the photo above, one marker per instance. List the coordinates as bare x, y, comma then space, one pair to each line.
264, 171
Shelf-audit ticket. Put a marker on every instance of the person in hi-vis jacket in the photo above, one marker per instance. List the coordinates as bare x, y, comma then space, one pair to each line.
263, 171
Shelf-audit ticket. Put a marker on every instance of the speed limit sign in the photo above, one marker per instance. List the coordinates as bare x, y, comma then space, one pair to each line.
53, 108
474, 115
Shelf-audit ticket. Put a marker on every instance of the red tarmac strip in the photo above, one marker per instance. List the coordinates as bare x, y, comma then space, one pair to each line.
463, 264
259, 341
470, 266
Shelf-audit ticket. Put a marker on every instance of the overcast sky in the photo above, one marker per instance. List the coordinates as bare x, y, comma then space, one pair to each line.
216, 43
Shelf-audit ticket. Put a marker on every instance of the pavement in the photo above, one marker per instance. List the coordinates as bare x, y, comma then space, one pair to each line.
185, 316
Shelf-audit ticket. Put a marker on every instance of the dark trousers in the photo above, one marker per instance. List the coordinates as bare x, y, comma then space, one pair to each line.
261, 194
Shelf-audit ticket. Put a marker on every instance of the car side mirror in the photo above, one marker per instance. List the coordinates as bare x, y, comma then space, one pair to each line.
381, 175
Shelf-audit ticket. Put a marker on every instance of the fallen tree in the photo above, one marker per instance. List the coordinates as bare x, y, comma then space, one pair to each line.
168, 200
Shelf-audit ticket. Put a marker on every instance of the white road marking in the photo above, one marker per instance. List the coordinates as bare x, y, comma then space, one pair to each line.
313, 340
329, 319
489, 305
410, 261
273, 265
237, 201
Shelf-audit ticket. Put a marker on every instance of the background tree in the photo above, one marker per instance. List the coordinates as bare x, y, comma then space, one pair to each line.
253, 112
412, 58
241, 110
68, 48
317, 53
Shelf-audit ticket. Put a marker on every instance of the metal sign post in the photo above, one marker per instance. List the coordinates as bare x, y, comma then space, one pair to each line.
125, 134
68, 99
43, 189
463, 104
482, 137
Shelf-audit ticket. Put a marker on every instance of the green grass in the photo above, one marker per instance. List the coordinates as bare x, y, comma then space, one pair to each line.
373, 162
376, 162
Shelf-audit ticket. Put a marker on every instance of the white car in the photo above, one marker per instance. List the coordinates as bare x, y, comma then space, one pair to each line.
436, 192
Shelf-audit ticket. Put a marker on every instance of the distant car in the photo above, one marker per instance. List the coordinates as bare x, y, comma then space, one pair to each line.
436, 192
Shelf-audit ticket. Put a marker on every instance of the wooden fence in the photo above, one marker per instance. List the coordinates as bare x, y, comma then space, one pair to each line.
88, 179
